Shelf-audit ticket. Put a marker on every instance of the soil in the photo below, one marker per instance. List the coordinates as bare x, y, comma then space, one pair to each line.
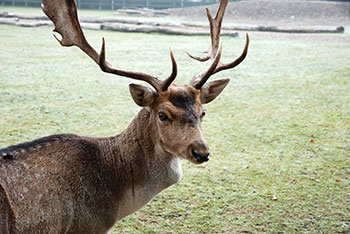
276, 12
281, 13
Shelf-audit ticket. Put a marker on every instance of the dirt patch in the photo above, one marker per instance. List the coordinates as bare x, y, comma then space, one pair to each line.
285, 13
277, 12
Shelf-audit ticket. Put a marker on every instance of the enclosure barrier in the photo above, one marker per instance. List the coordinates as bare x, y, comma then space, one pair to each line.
118, 4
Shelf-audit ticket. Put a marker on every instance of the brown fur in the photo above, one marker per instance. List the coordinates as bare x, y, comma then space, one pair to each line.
72, 184
7, 216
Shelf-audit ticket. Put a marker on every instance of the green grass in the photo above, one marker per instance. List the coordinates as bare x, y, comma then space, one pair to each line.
283, 95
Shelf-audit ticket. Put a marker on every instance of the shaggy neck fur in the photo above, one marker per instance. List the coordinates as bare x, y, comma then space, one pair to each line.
144, 168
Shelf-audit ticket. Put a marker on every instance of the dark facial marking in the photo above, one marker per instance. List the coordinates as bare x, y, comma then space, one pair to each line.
185, 101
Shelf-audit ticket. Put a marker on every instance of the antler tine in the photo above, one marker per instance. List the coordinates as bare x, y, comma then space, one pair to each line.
63, 13
215, 28
166, 83
109, 68
199, 80
235, 63
202, 59
215, 47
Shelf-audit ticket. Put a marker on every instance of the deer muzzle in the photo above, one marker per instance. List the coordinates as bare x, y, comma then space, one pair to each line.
200, 152
200, 157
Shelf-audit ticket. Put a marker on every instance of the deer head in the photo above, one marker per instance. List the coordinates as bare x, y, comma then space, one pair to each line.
175, 111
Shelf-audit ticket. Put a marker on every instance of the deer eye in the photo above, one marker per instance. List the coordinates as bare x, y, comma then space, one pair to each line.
203, 113
163, 117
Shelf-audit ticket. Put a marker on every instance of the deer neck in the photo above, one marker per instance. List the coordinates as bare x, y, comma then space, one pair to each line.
143, 168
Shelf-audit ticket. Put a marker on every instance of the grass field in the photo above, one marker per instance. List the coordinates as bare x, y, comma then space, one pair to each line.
279, 133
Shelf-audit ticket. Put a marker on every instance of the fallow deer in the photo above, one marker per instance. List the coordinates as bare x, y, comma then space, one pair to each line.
73, 184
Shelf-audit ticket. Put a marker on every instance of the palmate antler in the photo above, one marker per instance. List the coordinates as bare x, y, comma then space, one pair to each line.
214, 51
63, 13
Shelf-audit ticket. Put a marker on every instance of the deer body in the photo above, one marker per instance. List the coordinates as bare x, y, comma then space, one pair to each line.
80, 185
84, 185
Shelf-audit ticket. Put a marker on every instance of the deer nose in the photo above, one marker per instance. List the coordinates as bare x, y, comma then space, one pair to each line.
200, 157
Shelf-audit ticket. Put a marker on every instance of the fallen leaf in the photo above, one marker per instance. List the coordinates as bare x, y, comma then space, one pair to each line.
311, 140
337, 180
292, 180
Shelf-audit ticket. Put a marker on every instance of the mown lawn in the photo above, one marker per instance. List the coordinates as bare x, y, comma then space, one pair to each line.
279, 133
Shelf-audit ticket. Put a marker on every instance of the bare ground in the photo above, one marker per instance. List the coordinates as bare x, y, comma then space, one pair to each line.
276, 12
282, 13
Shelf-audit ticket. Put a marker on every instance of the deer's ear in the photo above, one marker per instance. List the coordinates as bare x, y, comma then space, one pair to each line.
211, 90
143, 96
